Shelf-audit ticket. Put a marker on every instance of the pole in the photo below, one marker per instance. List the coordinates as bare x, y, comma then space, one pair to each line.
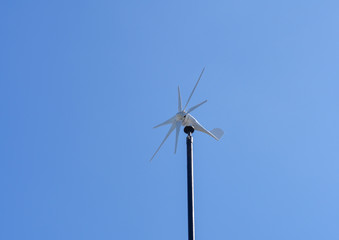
190, 182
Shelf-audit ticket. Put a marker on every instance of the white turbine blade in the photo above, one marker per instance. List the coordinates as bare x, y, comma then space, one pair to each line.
169, 121
179, 100
169, 132
197, 126
178, 125
194, 88
198, 105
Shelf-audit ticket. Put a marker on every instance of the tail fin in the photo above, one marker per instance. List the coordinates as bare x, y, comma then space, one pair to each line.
217, 132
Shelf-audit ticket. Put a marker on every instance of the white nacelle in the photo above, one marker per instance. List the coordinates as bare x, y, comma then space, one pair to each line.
186, 118
189, 120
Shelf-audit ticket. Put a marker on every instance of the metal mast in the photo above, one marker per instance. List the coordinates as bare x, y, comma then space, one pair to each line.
190, 182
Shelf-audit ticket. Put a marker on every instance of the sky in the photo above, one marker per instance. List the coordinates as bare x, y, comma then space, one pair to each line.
82, 83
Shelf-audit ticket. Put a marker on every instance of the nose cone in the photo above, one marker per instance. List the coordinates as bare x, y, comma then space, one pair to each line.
180, 116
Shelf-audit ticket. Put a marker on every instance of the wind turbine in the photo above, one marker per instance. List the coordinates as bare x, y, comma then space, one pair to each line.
184, 118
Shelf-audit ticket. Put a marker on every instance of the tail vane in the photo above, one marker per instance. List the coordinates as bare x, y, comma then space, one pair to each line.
217, 132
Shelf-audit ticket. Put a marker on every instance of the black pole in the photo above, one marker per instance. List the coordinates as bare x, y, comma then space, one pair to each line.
190, 182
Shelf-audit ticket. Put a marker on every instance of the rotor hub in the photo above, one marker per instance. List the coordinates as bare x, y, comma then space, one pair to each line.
180, 116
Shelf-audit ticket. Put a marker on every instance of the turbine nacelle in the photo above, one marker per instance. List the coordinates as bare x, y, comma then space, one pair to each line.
184, 118
189, 120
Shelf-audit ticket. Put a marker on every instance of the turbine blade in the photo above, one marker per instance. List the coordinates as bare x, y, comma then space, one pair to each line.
169, 121
178, 125
169, 132
197, 126
198, 105
179, 100
194, 88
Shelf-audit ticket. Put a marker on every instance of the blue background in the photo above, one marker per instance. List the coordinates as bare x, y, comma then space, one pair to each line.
82, 83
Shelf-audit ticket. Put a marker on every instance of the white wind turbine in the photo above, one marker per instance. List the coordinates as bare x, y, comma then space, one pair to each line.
184, 118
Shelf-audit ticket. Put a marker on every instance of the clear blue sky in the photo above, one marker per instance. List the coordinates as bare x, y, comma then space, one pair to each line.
82, 83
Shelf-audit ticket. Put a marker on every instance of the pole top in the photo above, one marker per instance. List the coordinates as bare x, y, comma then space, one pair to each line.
188, 129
